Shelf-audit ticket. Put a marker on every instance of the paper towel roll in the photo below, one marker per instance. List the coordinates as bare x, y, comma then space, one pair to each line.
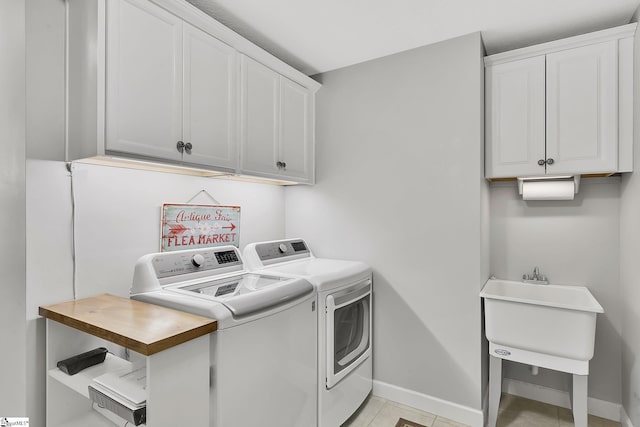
548, 190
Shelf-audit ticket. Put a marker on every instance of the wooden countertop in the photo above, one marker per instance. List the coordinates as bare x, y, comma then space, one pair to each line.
139, 326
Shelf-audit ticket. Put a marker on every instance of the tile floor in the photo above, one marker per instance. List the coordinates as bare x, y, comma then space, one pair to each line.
519, 412
514, 412
379, 412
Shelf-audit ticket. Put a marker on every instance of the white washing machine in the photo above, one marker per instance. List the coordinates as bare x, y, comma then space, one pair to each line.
344, 321
263, 355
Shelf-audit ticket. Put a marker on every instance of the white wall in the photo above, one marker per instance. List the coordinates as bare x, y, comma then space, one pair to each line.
572, 242
398, 185
117, 220
12, 200
629, 251
49, 268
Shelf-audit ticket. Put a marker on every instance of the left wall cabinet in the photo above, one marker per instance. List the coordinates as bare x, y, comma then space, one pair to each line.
160, 81
168, 82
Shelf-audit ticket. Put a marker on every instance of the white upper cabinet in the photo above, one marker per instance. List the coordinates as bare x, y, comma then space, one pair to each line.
561, 107
296, 139
276, 125
259, 118
144, 79
161, 81
515, 133
582, 109
171, 88
210, 100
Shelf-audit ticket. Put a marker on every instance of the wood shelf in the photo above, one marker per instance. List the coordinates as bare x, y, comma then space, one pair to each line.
142, 327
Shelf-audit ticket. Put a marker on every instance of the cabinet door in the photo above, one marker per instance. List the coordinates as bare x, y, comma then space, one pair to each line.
515, 118
296, 138
259, 111
582, 109
210, 92
144, 79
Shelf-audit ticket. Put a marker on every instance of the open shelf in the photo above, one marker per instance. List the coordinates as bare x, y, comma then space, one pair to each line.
98, 417
80, 381
93, 419
174, 347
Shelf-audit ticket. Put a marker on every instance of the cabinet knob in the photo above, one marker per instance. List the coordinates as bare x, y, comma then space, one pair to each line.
180, 146
541, 162
550, 161
281, 165
187, 147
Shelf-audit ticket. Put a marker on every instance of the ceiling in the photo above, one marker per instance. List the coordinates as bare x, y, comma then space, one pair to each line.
318, 36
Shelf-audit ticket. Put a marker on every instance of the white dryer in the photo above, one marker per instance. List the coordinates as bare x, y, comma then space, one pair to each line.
344, 321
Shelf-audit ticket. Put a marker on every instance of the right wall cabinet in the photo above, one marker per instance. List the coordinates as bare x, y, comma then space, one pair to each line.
276, 125
563, 107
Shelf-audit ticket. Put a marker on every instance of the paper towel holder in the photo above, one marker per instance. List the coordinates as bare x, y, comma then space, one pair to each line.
574, 178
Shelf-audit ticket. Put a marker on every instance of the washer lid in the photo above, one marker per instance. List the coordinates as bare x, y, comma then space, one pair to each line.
324, 273
248, 293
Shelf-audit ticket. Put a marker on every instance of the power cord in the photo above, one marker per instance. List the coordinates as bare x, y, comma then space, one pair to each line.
73, 232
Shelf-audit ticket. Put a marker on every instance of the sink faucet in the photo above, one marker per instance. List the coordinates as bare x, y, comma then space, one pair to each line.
536, 277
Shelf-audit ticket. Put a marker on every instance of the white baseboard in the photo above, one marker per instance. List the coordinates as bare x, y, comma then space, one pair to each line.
600, 408
625, 421
453, 411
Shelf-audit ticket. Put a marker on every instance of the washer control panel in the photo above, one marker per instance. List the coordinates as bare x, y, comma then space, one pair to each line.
282, 249
183, 262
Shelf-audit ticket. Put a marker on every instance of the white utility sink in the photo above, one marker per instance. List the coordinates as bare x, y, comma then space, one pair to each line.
524, 320
550, 326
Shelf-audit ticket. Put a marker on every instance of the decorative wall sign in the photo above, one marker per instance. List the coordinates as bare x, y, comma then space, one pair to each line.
187, 226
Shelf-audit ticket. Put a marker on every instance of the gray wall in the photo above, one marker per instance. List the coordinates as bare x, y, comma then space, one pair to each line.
572, 242
12, 200
400, 185
45, 123
630, 251
45, 79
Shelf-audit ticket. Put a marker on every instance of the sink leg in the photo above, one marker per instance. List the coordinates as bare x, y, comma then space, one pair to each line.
495, 389
571, 390
579, 400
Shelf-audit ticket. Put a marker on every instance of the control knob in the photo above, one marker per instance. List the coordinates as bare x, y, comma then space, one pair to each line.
283, 248
197, 260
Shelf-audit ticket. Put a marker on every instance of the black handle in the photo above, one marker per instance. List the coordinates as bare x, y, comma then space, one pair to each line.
187, 147
180, 146
550, 161
541, 162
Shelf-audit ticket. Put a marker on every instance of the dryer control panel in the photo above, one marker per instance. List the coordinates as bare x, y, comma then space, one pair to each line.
282, 249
